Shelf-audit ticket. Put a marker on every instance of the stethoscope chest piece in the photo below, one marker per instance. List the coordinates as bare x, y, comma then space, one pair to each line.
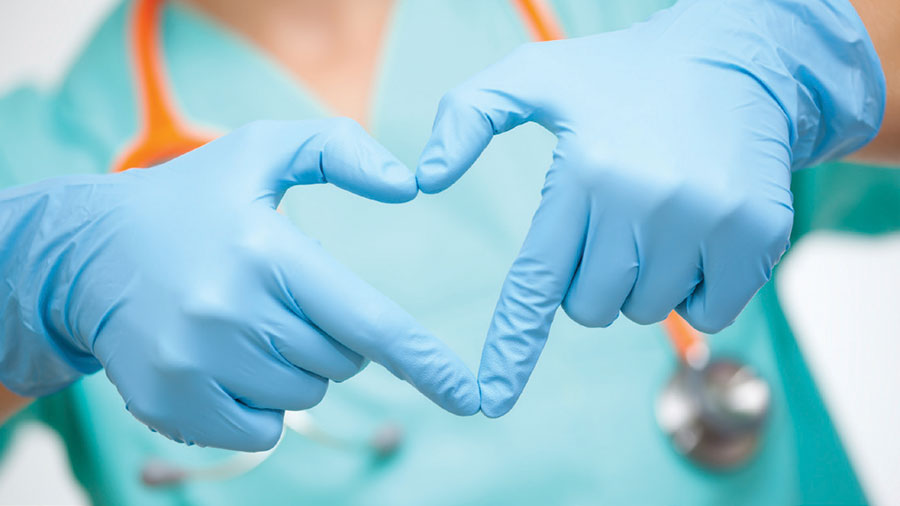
714, 414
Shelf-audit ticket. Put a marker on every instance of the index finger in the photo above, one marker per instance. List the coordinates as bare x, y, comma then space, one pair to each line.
364, 320
533, 291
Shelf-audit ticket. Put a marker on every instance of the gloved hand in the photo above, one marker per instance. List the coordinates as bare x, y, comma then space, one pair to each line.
210, 311
669, 186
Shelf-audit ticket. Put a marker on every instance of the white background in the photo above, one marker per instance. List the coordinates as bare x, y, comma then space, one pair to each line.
841, 293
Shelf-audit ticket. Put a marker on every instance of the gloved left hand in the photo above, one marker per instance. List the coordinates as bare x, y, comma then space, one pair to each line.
670, 182
209, 311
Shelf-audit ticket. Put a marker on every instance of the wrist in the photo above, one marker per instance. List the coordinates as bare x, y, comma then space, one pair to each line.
814, 58
841, 85
40, 228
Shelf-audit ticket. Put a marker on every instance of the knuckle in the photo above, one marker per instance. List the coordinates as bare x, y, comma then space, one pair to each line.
164, 359
350, 370
589, 169
588, 317
708, 323
205, 306
308, 394
769, 222
344, 128
257, 128
315, 393
143, 411
155, 415
454, 98
215, 303
643, 316
778, 226
263, 439
587, 175
172, 361
708, 326
255, 246
463, 97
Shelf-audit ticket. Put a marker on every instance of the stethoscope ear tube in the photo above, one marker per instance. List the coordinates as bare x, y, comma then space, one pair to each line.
383, 443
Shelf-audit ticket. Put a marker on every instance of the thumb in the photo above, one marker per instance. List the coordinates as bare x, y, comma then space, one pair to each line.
469, 116
268, 157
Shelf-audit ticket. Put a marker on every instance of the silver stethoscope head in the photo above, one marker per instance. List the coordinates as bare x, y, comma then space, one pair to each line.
383, 443
714, 411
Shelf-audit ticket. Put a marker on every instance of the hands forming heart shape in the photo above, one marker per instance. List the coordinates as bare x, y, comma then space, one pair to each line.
669, 189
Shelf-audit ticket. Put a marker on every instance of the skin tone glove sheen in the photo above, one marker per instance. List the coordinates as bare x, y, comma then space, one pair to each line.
210, 312
670, 182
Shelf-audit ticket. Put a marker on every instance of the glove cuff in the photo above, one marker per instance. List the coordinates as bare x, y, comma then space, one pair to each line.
37, 357
814, 57
838, 103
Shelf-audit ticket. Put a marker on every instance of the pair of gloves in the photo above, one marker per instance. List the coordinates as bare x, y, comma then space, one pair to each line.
669, 189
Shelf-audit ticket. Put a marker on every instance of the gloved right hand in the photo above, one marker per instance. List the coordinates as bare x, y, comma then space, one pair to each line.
670, 182
209, 311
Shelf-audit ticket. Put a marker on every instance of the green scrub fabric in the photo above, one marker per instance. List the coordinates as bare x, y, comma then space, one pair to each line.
584, 431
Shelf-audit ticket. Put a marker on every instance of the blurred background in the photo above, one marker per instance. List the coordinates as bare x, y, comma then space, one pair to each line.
840, 292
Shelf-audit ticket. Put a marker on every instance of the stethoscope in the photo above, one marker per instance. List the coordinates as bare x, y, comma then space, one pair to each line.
712, 410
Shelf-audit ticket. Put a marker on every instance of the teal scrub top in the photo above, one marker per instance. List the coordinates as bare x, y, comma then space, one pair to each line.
584, 430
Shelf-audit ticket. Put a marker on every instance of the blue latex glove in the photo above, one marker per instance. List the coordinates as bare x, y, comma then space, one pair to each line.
209, 311
669, 186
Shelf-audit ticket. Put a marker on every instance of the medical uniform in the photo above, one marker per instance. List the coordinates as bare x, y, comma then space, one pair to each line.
583, 432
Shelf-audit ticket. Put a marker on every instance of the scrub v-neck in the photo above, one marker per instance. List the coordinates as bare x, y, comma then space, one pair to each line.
188, 33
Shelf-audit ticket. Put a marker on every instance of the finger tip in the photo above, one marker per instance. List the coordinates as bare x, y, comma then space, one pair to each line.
400, 184
496, 400
404, 193
455, 391
701, 319
430, 178
466, 400
469, 406
492, 410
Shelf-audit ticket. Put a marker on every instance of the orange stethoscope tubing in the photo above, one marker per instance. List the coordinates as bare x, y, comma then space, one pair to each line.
163, 135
